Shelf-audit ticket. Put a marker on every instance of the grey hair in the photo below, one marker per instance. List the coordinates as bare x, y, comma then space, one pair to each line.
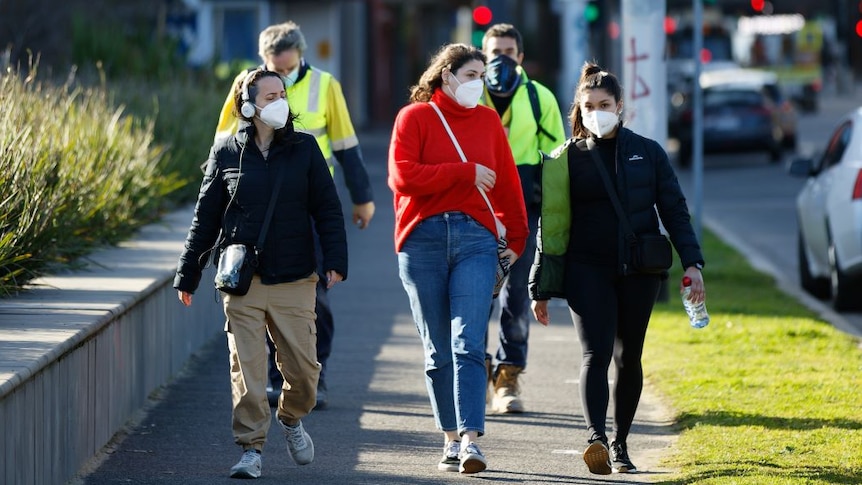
278, 38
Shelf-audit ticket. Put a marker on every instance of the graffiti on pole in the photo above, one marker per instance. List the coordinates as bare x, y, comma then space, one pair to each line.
644, 72
639, 86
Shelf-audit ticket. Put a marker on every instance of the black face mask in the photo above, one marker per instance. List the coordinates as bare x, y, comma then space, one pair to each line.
501, 75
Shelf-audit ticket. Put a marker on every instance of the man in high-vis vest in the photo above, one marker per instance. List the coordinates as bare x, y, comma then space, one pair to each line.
316, 97
532, 120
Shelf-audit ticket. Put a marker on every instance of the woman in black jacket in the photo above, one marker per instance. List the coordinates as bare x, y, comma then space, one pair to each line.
240, 178
585, 257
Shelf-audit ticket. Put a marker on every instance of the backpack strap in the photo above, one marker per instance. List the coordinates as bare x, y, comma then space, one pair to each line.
537, 111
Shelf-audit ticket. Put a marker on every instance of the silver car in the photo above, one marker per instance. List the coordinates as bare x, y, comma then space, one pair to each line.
829, 209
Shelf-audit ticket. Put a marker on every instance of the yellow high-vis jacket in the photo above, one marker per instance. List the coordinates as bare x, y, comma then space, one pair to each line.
318, 101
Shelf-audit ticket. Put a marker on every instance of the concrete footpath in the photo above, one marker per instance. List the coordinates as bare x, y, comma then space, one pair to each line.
378, 428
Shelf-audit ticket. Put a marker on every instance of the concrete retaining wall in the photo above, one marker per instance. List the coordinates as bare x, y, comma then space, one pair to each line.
80, 352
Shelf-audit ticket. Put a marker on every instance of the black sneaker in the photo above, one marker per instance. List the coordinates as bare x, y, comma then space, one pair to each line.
620, 457
322, 401
450, 460
597, 457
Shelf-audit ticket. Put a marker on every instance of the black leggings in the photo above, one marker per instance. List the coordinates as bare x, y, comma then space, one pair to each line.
611, 314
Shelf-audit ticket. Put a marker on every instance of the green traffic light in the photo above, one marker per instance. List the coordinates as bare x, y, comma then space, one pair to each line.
591, 12
476, 38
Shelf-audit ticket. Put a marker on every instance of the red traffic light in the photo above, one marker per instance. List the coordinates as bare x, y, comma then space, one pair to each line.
859, 28
482, 15
758, 5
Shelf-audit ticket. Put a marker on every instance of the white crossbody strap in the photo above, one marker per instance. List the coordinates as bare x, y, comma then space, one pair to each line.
501, 229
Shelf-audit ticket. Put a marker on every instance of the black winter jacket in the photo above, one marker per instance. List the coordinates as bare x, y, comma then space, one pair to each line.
645, 183
232, 205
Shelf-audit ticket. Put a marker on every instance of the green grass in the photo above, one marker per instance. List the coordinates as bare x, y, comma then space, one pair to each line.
768, 393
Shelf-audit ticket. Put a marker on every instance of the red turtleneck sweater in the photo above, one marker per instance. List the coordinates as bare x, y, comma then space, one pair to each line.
427, 176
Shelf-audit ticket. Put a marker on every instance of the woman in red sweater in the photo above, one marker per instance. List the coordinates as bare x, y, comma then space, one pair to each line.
446, 236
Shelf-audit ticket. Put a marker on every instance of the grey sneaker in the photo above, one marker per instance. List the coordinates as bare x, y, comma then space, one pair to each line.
597, 457
299, 444
248, 467
472, 460
450, 461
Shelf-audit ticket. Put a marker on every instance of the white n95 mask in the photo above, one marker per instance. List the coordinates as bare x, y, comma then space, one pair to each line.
467, 94
600, 123
275, 114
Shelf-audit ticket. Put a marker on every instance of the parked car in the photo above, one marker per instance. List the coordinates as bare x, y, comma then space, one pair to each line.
829, 210
782, 108
736, 118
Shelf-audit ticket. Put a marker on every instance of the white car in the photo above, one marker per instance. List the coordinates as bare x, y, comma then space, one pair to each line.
829, 209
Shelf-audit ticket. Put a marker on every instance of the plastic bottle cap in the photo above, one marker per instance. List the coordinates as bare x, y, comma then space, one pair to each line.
686, 281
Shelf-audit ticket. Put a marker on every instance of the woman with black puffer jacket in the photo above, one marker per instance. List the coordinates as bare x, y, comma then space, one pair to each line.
585, 253
268, 160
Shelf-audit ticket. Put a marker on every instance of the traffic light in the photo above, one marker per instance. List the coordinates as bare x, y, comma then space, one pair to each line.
592, 12
482, 17
858, 26
758, 5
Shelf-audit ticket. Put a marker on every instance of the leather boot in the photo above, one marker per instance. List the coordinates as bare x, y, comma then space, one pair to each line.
507, 391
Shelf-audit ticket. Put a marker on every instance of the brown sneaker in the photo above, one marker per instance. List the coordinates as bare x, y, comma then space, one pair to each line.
507, 391
598, 458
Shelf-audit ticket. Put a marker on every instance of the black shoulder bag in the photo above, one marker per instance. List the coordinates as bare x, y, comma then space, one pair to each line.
238, 262
648, 253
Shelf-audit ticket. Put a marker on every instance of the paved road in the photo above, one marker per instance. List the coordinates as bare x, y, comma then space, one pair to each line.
379, 427
750, 203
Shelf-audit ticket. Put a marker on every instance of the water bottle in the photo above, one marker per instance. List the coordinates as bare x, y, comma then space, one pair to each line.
697, 316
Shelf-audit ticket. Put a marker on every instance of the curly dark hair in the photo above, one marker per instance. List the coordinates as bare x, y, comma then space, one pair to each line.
450, 56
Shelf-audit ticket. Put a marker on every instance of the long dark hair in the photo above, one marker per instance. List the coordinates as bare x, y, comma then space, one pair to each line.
592, 77
450, 56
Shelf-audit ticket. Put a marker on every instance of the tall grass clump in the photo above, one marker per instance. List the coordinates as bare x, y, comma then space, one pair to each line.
76, 171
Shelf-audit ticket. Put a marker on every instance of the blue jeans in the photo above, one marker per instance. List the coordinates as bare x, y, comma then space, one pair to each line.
448, 268
515, 312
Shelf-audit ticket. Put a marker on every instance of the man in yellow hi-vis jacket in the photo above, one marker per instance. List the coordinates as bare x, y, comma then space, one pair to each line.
316, 97
531, 117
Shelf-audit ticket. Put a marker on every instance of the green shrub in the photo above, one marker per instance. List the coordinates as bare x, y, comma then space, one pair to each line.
118, 143
77, 172
125, 51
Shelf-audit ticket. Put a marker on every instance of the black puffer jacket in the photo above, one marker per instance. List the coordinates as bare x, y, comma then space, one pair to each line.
645, 183
233, 200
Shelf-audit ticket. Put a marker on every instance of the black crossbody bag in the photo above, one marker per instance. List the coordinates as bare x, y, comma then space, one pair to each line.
238, 262
648, 253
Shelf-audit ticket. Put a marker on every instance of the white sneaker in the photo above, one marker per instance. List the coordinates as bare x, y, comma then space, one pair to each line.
248, 467
472, 459
450, 461
299, 443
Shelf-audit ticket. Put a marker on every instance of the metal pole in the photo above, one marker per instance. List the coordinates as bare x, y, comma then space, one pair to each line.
697, 128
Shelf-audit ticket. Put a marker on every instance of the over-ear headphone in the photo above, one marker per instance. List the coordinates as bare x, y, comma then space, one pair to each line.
247, 109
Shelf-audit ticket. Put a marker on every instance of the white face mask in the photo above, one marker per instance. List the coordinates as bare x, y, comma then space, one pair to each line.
467, 94
275, 114
291, 77
600, 123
